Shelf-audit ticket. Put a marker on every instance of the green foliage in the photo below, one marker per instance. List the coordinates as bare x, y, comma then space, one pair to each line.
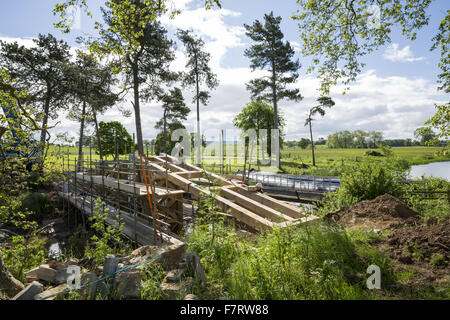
373, 153
309, 262
258, 115
174, 111
141, 50
437, 259
107, 239
441, 121
428, 205
355, 139
76, 245
38, 70
39, 204
23, 255
198, 70
370, 179
153, 275
114, 138
365, 180
337, 51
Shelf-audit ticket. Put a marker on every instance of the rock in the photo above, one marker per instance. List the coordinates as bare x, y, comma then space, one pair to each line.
193, 262
61, 276
90, 291
173, 290
110, 265
57, 265
172, 255
127, 284
51, 291
31, 275
72, 261
9, 285
174, 275
191, 297
46, 273
30, 292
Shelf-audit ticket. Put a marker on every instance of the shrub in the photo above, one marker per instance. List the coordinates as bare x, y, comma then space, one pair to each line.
39, 204
108, 239
373, 153
23, 254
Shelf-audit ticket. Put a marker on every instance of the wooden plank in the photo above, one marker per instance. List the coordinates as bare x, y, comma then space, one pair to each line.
297, 222
285, 208
133, 188
173, 167
261, 209
190, 174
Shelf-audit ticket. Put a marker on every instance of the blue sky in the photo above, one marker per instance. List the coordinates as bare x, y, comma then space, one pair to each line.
395, 93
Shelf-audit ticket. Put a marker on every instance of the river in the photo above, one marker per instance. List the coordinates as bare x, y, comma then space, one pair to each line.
435, 169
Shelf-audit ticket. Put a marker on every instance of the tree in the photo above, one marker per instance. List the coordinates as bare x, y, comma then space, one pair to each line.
440, 121
270, 53
303, 143
142, 50
424, 135
174, 111
199, 72
259, 115
38, 70
115, 139
90, 87
66, 21
337, 34
374, 138
324, 102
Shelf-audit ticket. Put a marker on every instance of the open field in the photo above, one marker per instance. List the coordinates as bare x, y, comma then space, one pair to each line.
329, 162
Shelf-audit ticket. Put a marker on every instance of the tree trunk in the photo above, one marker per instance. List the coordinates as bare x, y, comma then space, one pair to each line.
99, 141
45, 123
312, 143
165, 150
80, 141
8, 284
199, 139
137, 111
275, 113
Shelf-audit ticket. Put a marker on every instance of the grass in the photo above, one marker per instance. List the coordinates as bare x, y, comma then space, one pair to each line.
329, 162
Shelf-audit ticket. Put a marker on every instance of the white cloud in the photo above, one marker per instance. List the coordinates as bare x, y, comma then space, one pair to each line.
393, 53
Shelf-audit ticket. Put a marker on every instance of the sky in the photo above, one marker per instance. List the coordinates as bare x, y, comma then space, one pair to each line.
394, 94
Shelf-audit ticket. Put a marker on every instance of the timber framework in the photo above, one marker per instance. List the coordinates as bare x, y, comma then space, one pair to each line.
153, 196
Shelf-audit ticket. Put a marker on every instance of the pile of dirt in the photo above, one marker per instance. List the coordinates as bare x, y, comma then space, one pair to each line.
381, 213
430, 244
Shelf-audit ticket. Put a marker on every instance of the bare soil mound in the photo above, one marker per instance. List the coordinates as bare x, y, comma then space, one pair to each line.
383, 212
422, 243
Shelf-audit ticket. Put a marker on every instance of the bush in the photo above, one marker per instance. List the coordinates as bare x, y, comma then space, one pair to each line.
311, 262
39, 204
107, 240
23, 255
370, 179
373, 153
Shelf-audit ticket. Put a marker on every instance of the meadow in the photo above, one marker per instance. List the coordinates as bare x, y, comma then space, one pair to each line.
329, 162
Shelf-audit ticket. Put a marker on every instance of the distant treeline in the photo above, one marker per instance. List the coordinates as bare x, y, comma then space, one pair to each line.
360, 139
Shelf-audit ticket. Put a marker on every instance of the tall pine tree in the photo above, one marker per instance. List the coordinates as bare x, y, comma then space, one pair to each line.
39, 71
271, 53
174, 111
90, 86
199, 72
141, 46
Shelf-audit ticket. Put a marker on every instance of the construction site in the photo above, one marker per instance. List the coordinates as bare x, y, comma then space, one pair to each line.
156, 196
